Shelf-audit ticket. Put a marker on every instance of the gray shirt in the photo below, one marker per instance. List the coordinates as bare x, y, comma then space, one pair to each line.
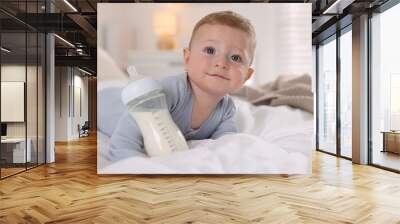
127, 139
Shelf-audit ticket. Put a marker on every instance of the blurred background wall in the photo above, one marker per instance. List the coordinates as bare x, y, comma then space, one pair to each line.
129, 34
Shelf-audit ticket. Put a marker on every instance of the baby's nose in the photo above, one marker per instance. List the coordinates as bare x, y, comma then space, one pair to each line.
221, 62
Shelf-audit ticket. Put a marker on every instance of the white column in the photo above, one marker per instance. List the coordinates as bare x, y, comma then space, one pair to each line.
50, 92
360, 90
50, 99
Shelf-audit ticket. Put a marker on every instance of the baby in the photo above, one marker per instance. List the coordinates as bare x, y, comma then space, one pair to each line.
217, 62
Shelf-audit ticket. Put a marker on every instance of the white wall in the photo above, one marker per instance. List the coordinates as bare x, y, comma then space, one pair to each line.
85, 98
12, 101
80, 109
68, 81
283, 32
18, 73
61, 103
12, 73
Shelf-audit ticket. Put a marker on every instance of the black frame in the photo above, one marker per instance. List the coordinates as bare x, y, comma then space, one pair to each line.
328, 39
341, 32
333, 37
387, 5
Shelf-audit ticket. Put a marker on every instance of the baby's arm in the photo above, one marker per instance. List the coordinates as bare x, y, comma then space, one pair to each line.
127, 139
228, 124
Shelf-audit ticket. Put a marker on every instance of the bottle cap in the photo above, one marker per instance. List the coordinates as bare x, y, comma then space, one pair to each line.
139, 88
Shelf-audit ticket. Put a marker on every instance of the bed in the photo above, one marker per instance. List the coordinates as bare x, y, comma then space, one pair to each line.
271, 140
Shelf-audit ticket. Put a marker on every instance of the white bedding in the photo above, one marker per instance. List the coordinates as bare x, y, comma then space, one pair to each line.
272, 140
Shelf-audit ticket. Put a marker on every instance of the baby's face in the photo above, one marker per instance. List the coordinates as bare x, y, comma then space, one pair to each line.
218, 61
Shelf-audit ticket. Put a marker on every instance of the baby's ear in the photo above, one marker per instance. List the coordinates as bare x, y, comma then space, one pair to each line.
186, 56
250, 72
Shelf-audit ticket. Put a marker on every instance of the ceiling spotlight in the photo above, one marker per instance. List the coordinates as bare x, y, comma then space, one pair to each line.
84, 71
337, 7
64, 40
5, 50
70, 5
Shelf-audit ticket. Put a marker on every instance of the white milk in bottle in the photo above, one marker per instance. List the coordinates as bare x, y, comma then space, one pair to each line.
147, 105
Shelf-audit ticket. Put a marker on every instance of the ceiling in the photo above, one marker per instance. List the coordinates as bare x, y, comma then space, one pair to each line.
77, 22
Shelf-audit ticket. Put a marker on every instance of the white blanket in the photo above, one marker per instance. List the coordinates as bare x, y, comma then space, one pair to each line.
273, 140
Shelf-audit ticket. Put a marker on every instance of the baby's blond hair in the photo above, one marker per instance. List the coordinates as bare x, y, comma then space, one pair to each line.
231, 19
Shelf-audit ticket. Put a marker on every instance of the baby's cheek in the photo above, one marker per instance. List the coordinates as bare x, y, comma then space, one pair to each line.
242, 72
196, 66
239, 68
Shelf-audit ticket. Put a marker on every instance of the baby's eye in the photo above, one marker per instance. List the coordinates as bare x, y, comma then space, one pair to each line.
236, 58
209, 50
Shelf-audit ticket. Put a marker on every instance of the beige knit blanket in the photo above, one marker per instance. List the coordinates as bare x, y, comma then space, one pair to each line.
289, 90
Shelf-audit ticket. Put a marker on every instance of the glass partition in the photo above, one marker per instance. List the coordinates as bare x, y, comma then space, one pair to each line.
327, 96
31, 100
32, 87
346, 93
41, 91
385, 89
22, 67
13, 95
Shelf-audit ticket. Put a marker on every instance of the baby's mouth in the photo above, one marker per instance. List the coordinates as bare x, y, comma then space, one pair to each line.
218, 75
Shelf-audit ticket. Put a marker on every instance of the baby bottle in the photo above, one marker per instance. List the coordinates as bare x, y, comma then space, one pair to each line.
146, 103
